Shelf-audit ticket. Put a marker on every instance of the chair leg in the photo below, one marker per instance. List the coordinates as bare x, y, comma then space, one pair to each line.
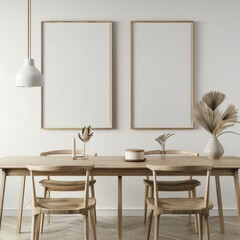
194, 195
93, 195
48, 196
86, 227
200, 227
41, 223
42, 215
149, 224
156, 227
93, 223
34, 227
145, 203
190, 215
38, 226
206, 223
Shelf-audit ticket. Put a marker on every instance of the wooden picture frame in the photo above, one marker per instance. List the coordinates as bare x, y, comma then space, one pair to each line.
162, 74
78, 79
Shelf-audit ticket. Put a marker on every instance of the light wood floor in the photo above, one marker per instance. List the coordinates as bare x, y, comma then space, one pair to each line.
70, 228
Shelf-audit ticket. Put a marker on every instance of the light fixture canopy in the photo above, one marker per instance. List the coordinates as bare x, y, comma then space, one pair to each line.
29, 75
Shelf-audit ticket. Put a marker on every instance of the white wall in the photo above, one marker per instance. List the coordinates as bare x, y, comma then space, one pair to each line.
217, 58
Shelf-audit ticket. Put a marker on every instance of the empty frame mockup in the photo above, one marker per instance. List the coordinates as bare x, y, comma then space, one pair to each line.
161, 74
77, 70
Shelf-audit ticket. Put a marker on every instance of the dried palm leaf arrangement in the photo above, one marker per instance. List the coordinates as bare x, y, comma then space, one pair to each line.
208, 114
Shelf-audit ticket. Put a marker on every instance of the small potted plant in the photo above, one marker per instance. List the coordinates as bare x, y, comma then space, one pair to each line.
162, 141
85, 136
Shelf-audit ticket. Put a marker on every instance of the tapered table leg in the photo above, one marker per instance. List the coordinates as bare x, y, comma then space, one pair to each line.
219, 200
2, 193
119, 207
20, 206
237, 192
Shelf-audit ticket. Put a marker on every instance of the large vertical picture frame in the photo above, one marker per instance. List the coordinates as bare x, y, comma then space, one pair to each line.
77, 69
162, 74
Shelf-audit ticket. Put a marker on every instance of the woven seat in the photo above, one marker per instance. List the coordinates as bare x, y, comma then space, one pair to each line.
179, 205
55, 205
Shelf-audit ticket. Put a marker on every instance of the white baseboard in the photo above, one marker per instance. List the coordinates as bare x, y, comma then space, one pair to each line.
113, 212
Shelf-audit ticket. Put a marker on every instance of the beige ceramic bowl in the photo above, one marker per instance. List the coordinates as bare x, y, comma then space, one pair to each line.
134, 154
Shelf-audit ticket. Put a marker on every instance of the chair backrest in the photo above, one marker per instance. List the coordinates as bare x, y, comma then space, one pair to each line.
48, 170
174, 152
66, 152
189, 170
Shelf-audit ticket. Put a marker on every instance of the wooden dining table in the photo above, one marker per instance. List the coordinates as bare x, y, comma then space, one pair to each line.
117, 166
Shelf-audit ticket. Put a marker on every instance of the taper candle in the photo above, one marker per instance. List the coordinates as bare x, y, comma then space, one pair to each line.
73, 148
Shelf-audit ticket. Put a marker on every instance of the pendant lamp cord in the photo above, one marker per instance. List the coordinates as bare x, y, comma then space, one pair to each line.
29, 28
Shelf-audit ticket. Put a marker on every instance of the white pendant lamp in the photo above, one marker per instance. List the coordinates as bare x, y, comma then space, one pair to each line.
29, 75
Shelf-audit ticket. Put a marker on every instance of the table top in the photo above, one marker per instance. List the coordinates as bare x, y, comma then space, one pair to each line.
117, 162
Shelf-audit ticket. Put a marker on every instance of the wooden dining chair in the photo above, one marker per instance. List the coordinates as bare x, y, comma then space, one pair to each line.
50, 185
197, 205
84, 205
189, 185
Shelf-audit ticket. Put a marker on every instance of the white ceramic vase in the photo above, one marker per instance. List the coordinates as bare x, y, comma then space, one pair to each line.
214, 149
